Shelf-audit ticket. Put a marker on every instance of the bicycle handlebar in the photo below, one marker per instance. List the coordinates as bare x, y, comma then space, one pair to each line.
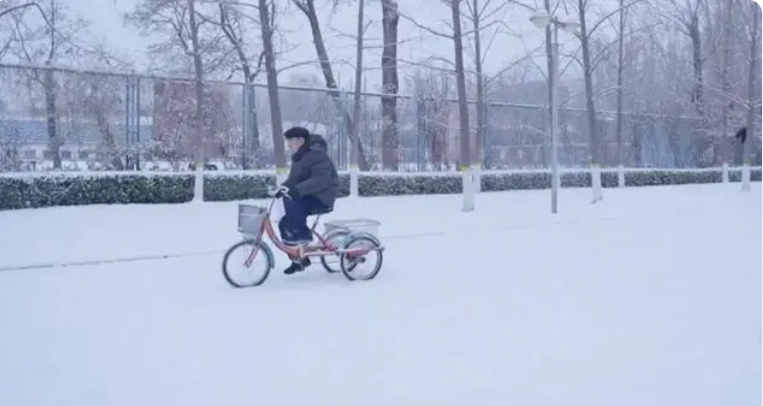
272, 194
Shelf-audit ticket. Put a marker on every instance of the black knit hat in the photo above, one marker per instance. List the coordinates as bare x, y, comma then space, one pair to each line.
297, 132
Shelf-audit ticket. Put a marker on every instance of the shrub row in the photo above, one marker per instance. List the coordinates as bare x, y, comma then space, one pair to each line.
34, 191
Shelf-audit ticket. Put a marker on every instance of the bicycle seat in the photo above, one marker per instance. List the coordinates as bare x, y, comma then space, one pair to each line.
320, 211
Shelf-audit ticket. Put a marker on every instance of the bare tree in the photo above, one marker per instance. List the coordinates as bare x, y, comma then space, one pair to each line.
753, 103
463, 107
590, 60
102, 100
588, 71
197, 43
234, 30
483, 15
687, 13
726, 10
8, 7
485, 21
307, 7
431, 96
250, 63
266, 12
43, 43
725, 39
52, 37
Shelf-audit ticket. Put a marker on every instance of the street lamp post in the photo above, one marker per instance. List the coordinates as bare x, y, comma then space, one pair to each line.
542, 19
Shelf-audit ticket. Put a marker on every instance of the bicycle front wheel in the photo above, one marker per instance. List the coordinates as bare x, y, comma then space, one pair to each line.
247, 263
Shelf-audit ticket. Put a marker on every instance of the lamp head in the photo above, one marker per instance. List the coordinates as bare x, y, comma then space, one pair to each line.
541, 19
569, 25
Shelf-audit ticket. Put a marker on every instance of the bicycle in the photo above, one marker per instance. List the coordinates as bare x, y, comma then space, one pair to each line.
349, 240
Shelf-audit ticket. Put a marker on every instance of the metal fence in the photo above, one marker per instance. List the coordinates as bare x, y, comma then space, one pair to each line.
98, 120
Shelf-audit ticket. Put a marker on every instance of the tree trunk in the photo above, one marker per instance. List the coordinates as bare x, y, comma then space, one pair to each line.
51, 113
593, 133
620, 84
198, 87
463, 108
252, 149
549, 68
354, 152
276, 123
479, 154
698, 93
723, 147
390, 85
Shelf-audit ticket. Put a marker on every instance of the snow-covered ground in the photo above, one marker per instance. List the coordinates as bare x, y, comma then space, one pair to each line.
651, 297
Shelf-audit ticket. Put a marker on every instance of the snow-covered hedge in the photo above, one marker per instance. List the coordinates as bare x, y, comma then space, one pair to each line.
44, 190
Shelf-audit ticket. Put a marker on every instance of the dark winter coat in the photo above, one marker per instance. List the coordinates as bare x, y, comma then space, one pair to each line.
312, 172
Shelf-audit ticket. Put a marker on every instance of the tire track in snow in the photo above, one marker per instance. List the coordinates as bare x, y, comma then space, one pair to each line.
682, 215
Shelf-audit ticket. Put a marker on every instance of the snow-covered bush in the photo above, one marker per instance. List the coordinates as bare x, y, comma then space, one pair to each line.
45, 190
71, 190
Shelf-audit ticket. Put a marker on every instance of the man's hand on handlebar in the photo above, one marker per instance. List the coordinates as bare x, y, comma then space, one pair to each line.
284, 192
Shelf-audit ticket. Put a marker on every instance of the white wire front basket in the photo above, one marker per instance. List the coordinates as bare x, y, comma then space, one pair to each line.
250, 218
361, 225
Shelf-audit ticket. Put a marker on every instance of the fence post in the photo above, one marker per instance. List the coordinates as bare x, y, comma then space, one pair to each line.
132, 124
137, 124
725, 172
354, 168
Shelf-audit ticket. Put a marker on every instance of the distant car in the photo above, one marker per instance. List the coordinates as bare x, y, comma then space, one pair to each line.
207, 167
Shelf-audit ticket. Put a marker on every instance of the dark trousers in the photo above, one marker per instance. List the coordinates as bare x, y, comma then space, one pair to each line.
293, 225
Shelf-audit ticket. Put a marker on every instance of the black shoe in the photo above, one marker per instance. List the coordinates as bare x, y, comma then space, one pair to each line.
297, 266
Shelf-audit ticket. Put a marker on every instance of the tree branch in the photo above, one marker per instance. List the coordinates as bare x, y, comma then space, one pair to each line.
427, 29
609, 15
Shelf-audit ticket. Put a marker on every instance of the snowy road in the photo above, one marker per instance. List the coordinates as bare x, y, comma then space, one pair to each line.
652, 297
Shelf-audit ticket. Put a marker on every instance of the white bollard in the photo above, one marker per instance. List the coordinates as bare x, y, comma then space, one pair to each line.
467, 184
354, 181
198, 183
725, 172
746, 175
596, 183
477, 172
620, 176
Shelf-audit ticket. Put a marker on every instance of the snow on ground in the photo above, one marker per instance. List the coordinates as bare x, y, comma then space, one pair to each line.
651, 297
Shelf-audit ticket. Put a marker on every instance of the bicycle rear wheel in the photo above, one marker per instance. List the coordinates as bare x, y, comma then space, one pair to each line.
362, 259
253, 259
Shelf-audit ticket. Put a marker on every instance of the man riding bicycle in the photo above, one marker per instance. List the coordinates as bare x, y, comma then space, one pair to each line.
311, 188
